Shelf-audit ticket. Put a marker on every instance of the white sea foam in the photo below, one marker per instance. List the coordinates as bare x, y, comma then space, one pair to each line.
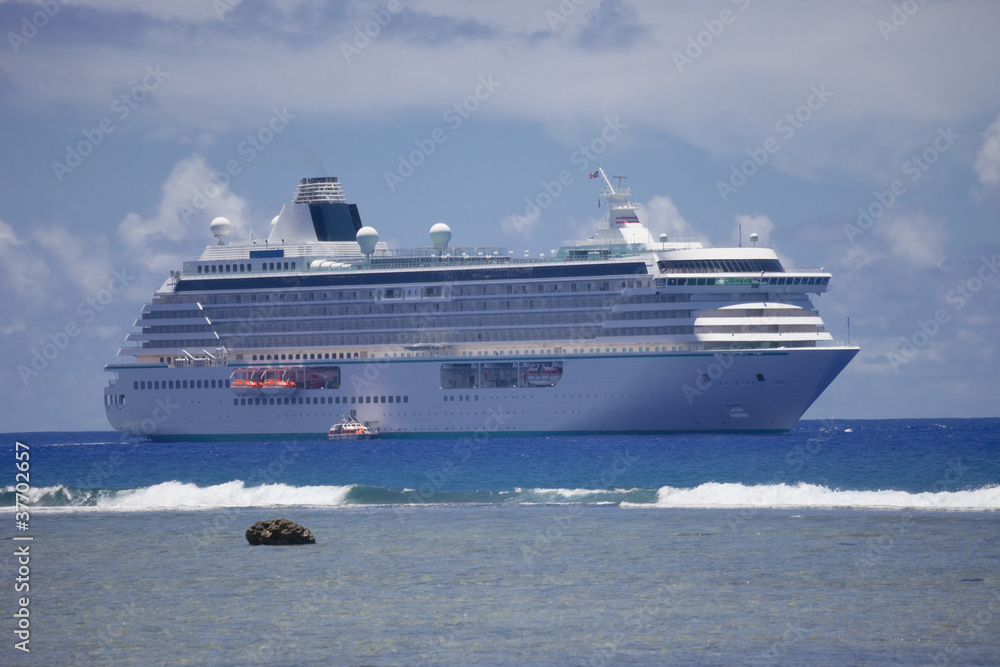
717, 495
557, 496
179, 495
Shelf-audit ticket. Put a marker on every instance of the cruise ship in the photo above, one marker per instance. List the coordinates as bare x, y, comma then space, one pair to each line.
619, 333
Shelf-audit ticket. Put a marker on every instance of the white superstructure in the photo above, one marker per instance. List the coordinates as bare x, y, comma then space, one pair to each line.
617, 333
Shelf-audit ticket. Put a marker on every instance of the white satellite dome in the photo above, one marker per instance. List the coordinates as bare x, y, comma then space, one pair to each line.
440, 235
274, 221
221, 228
367, 237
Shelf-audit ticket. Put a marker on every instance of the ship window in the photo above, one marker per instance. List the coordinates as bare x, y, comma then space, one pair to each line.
213, 268
286, 266
390, 399
368, 399
243, 401
135, 384
382, 399
406, 399
199, 269
353, 400
142, 384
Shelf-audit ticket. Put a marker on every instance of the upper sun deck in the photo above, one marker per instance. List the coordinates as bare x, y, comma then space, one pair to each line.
319, 234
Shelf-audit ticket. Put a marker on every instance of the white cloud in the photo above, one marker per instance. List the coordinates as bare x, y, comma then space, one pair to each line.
916, 239
85, 261
759, 224
190, 200
7, 235
15, 325
520, 226
166, 10
727, 101
987, 163
25, 274
661, 216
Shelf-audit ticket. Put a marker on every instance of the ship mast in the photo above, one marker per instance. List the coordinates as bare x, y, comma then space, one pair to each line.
621, 210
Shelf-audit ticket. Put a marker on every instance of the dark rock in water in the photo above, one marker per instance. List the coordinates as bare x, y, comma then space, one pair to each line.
279, 531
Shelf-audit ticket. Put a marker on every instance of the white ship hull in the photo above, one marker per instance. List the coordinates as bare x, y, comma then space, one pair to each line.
738, 391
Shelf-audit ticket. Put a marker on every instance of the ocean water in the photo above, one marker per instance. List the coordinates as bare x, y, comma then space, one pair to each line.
848, 542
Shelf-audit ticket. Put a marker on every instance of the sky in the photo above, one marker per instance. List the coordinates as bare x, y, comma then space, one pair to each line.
858, 136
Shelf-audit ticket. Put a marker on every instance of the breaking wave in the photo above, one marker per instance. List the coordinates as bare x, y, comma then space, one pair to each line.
719, 495
176, 495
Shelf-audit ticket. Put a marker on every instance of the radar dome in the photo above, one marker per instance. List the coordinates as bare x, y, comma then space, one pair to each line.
220, 229
440, 235
663, 238
367, 238
274, 221
753, 239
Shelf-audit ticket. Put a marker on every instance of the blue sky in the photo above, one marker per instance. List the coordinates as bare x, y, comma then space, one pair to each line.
863, 137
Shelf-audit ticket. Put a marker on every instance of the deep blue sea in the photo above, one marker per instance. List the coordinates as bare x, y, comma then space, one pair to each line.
847, 542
